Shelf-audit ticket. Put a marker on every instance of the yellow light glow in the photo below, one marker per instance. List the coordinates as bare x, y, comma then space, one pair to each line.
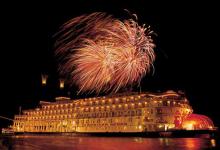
64, 123
74, 122
160, 126
189, 125
44, 79
213, 142
61, 83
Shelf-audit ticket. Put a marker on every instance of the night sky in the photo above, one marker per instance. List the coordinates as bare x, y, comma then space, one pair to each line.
186, 54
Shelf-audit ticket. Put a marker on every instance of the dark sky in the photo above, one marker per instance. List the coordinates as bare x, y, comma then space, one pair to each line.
186, 54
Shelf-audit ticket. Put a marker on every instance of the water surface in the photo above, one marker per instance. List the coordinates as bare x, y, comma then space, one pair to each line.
34, 142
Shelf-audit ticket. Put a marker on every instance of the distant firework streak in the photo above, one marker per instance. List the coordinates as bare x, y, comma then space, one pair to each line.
100, 53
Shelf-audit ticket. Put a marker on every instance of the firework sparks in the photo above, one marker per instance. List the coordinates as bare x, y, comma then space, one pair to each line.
101, 53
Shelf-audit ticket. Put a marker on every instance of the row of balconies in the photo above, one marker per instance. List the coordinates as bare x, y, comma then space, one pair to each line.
82, 103
90, 109
108, 108
90, 103
137, 112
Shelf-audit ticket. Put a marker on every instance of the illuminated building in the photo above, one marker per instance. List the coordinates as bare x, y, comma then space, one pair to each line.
133, 112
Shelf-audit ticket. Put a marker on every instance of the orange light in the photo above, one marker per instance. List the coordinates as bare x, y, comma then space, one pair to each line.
189, 125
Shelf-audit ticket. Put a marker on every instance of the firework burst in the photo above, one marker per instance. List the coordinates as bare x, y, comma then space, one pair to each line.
101, 53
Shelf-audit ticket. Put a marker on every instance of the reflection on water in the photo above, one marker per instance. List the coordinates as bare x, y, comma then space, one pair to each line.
33, 142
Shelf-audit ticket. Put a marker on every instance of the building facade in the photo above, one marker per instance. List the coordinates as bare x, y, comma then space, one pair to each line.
133, 112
